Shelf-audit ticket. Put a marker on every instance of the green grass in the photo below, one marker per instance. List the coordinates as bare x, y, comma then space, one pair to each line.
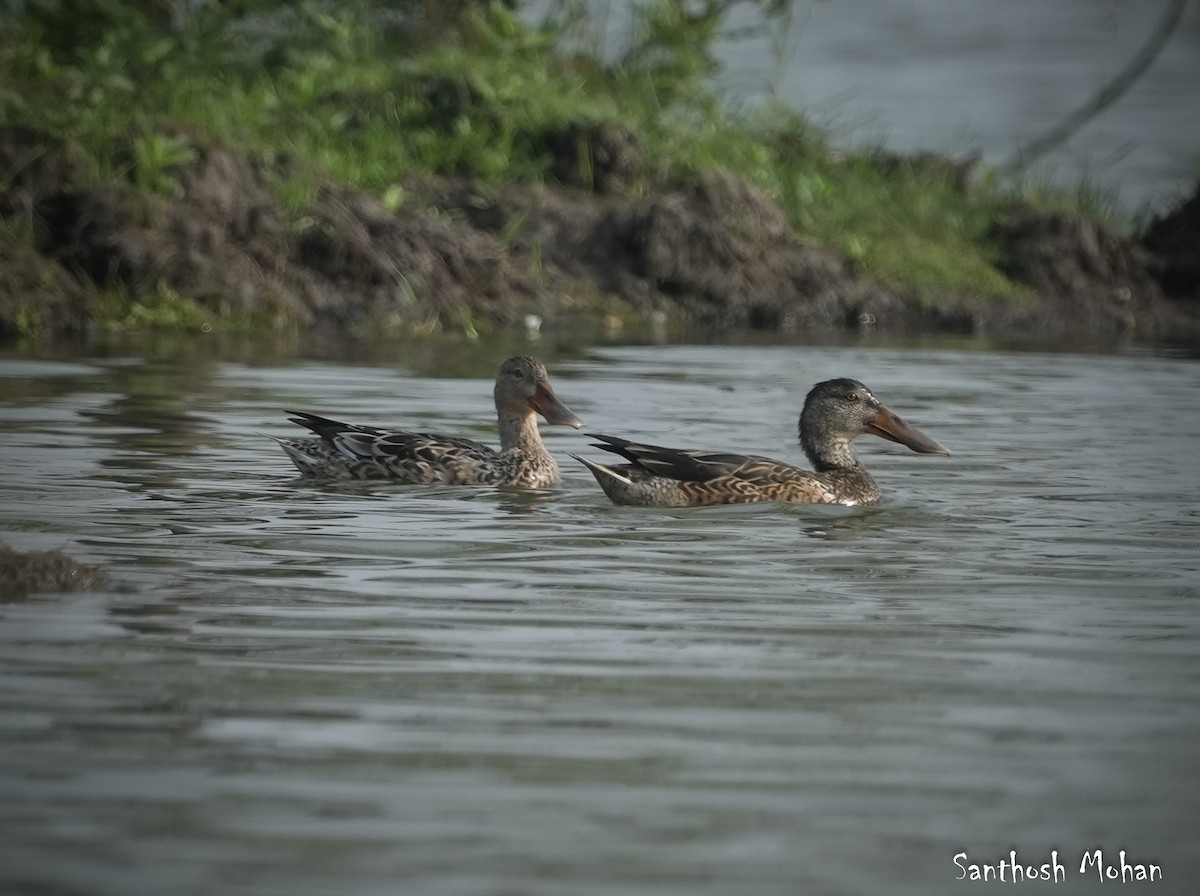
339, 97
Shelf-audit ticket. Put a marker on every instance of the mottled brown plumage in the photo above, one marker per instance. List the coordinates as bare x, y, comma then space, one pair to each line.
522, 391
835, 413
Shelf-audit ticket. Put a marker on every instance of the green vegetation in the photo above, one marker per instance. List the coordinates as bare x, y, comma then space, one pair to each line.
164, 309
366, 94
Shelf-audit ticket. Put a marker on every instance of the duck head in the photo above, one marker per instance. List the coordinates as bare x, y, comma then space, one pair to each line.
838, 411
523, 388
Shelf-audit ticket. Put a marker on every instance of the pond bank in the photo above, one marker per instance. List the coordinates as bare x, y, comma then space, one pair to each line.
458, 256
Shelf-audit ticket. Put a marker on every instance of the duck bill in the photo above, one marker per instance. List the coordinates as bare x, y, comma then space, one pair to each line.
546, 403
888, 425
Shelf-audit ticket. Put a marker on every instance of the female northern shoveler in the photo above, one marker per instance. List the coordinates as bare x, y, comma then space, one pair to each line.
835, 413
347, 451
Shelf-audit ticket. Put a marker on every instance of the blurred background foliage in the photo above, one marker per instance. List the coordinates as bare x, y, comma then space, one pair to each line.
368, 93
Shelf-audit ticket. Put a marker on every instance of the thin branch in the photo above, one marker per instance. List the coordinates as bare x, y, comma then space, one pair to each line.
1108, 94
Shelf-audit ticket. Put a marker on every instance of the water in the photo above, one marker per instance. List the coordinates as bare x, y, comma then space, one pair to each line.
373, 689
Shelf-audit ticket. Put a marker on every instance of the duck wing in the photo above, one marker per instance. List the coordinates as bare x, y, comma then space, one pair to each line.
329, 429
714, 477
407, 456
423, 456
699, 466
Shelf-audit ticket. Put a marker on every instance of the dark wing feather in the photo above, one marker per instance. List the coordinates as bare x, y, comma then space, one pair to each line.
329, 429
689, 466
674, 463
408, 456
374, 443
698, 466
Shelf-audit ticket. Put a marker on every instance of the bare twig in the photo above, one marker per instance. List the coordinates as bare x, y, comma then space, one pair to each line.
1107, 95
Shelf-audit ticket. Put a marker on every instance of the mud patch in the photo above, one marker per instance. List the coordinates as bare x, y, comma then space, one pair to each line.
1175, 239
1089, 281
22, 574
39, 298
717, 251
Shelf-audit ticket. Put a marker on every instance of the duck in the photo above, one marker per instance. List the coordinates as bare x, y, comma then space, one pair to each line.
522, 391
835, 413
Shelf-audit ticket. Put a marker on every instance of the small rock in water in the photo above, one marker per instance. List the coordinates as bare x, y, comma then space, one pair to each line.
23, 573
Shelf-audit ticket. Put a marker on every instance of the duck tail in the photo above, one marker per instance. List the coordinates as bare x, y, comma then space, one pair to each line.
619, 487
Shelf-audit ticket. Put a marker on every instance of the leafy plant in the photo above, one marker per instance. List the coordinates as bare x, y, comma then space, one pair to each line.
154, 155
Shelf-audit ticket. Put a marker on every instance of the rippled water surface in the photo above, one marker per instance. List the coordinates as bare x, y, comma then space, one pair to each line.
373, 689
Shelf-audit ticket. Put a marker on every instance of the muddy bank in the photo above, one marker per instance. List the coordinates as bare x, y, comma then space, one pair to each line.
455, 256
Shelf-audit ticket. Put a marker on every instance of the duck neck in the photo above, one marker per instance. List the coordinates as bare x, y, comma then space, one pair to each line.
827, 453
519, 432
